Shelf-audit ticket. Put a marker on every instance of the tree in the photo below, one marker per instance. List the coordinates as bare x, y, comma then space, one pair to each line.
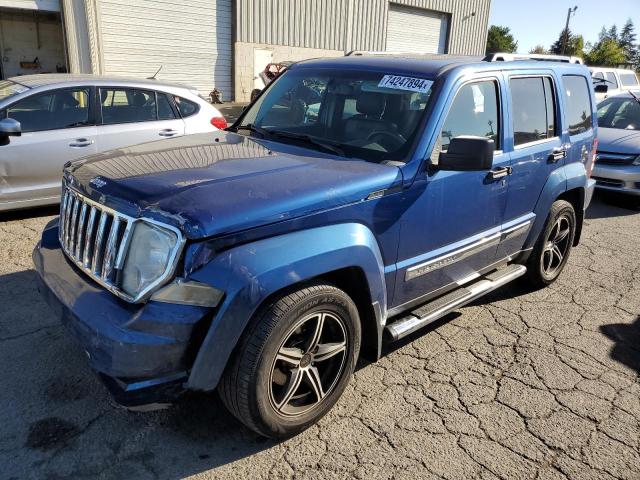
606, 52
628, 42
500, 39
575, 44
613, 33
538, 49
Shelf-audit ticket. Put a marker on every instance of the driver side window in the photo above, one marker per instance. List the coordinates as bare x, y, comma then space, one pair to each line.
474, 112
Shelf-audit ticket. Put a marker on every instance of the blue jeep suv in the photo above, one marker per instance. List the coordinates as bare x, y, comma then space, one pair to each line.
355, 201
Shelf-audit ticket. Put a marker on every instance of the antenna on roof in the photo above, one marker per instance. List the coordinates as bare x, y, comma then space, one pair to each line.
155, 74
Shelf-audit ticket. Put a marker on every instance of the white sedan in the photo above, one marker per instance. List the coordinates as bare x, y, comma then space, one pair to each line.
48, 120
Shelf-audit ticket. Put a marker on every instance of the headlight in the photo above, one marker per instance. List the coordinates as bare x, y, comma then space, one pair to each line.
151, 250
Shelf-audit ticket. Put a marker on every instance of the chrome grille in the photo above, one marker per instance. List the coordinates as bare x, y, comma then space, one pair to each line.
94, 237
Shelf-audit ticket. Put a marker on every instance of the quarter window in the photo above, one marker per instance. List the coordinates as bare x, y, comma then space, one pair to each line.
474, 112
52, 111
185, 107
629, 79
578, 102
533, 109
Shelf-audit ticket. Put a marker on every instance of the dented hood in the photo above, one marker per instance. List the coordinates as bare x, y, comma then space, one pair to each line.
217, 183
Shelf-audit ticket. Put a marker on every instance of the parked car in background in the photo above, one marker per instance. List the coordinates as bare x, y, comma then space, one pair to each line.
262, 260
617, 166
618, 80
49, 120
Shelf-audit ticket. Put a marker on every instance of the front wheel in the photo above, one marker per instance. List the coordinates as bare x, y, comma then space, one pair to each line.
552, 249
294, 362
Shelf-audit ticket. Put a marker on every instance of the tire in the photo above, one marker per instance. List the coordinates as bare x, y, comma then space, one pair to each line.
552, 249
283, 376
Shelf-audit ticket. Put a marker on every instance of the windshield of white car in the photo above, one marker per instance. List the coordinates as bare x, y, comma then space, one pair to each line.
8, 89
373, 116
619, 112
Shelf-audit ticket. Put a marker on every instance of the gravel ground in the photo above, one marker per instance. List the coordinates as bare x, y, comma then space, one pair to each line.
519, 385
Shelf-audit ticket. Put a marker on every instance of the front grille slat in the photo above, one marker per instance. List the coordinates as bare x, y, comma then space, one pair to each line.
608, 158
88, 243
110, 250
96, 238
81, 231
97, 246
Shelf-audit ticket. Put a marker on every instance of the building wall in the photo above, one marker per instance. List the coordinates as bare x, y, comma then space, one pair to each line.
352, 24
300, 29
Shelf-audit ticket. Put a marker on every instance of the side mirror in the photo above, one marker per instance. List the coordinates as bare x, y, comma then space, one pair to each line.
467, 153
601, 88
9, 128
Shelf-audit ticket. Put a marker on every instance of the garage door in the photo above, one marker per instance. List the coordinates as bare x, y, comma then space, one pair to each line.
416, 30
190, 40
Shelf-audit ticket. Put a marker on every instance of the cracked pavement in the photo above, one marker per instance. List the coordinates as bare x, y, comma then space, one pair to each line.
521, 384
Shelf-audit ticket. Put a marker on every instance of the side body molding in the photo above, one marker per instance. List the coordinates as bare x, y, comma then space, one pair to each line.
250, 273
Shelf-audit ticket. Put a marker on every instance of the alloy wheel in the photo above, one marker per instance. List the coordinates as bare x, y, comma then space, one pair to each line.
308, 363
556, 246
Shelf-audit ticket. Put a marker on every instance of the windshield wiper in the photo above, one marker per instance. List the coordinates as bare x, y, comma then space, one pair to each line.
637, 99
251, 128
330, 147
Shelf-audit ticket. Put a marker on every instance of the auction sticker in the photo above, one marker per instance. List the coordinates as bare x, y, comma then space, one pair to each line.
398, 82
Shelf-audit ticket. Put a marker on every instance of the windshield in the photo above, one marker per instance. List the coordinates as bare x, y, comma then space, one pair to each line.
619, 112
8, 89
368, 115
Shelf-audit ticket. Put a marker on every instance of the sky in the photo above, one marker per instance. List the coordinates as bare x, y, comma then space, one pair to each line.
534, 22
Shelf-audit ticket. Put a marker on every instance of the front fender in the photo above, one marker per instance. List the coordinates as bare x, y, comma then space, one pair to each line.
250, 273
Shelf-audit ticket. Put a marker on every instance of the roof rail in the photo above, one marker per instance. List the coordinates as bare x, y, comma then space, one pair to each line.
540, 57
420, 55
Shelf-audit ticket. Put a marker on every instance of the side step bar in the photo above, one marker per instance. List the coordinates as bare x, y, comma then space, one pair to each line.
438, 308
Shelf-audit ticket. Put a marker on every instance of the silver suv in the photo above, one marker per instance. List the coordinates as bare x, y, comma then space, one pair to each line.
48, 120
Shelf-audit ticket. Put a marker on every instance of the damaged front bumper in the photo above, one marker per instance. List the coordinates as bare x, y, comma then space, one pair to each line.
142, 352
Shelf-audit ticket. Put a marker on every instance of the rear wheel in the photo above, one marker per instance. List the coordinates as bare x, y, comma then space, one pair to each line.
294, 362
552, 249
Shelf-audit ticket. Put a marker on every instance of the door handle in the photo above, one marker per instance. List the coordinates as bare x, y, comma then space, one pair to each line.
557, 154
81, 142
499, 172
168, 132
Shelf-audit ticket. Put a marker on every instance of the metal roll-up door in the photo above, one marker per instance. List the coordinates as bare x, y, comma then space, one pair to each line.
190, 40
416, 30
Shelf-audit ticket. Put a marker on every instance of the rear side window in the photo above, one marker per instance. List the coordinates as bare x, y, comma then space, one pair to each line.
474, 112
165, 110
533, 109
578, 103
611, 78
119, 105
628, 79
186, 107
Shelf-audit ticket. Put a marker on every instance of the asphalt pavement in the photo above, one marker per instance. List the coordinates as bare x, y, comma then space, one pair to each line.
522, 384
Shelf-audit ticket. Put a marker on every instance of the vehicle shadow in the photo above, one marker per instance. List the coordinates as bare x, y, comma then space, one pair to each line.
606, 205
53, 409
627, 347
16, 215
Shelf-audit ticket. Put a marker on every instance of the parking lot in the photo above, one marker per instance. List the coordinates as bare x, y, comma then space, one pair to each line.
521, 385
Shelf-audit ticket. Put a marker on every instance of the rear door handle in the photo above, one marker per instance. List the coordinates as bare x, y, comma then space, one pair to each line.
499, 172
168, 132
557, 154
81, 142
